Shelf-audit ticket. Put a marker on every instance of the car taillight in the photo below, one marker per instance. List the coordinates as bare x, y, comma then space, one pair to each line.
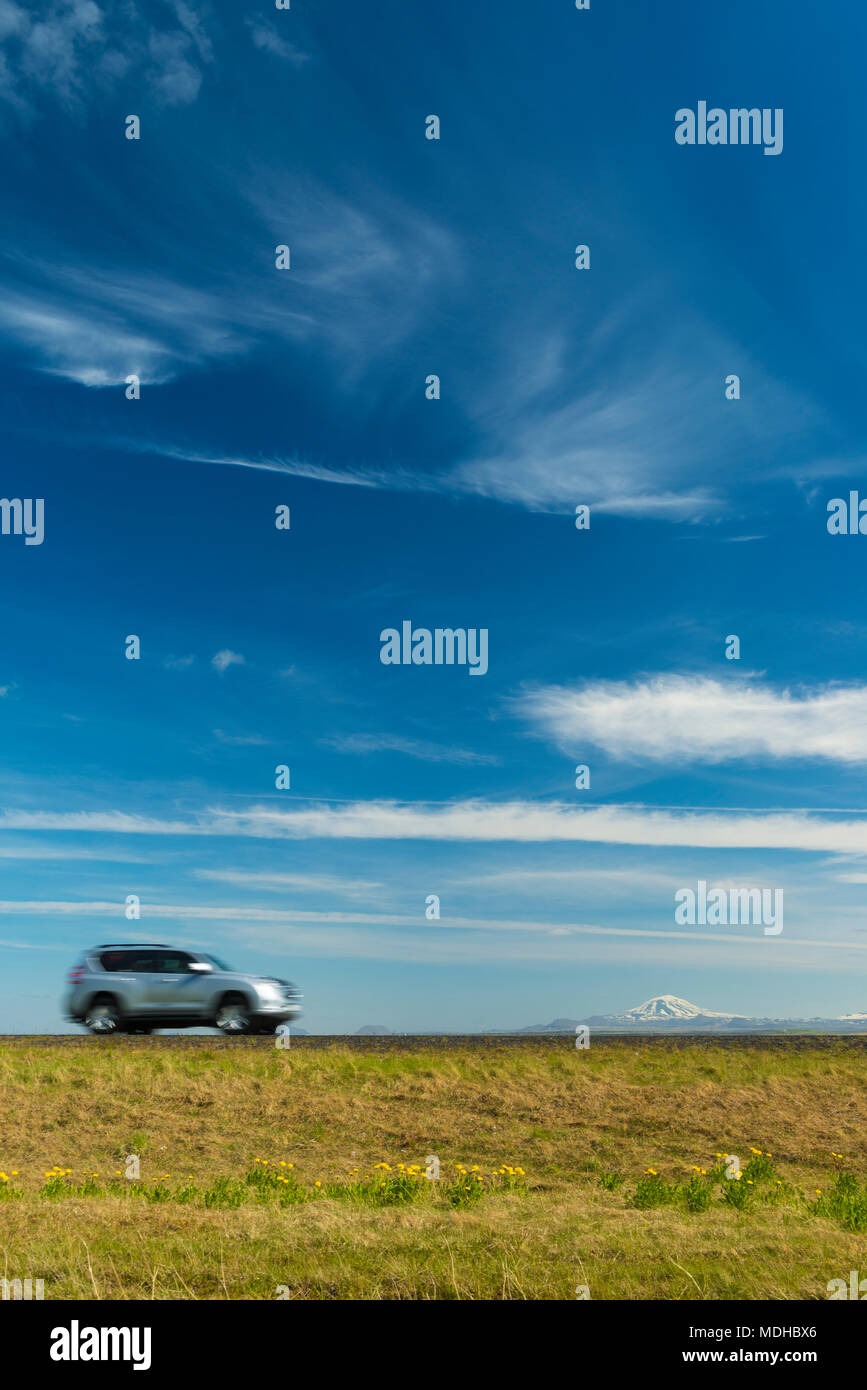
76, 975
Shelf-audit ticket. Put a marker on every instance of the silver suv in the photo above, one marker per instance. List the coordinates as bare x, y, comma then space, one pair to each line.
131, 988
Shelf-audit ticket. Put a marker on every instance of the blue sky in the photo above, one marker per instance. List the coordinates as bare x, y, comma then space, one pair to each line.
559, 387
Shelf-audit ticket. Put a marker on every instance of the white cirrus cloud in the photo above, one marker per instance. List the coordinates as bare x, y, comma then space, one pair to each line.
363, 279
223, 659
279, 883
629, 422
422, 749
98, 331
241, 740
477, 821
66, 51
702, 719
266, 38
536, 822
350, 935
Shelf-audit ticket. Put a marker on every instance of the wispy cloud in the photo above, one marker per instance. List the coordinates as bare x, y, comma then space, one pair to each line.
622, 880
222, 660
280, 883
241, 740
701, 719
266, 38
66, 51
97, 328
620, 422
299, 468
354, 291
413, 748
74, 852
477, 821
365, 935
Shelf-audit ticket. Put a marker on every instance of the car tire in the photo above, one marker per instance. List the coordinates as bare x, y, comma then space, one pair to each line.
102, 1016
233, 1017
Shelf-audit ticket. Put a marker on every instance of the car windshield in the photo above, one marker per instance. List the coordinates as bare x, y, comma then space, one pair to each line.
220, 964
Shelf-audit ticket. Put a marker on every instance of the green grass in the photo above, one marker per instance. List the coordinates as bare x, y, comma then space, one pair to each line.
305, 1169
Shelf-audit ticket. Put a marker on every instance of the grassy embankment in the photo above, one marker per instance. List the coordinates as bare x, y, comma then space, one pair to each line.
209, 1221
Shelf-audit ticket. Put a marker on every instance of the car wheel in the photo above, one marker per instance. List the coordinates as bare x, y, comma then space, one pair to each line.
102, 1016
233, 1016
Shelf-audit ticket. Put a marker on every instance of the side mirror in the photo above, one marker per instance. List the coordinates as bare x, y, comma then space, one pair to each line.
201, 966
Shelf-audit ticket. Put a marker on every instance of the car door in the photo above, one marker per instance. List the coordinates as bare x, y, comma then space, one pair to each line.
178, 990
132, 975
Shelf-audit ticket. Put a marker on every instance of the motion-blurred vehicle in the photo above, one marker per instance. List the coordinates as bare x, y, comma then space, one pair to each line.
135, 988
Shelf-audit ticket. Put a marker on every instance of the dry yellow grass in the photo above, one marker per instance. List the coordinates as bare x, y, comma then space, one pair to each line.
564, 1116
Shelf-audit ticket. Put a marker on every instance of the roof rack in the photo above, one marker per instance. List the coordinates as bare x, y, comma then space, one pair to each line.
130, 945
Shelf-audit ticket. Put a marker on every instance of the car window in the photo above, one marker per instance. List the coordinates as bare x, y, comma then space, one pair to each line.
139, 962
173, 962
114, 960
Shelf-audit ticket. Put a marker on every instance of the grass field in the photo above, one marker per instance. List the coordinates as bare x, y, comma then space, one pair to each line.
556, 1145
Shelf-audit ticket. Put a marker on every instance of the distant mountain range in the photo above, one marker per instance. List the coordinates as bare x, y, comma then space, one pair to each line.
668, 1013
665, 1013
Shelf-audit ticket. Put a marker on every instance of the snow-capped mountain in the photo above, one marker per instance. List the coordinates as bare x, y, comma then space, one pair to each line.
669, 1012
665, 1007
